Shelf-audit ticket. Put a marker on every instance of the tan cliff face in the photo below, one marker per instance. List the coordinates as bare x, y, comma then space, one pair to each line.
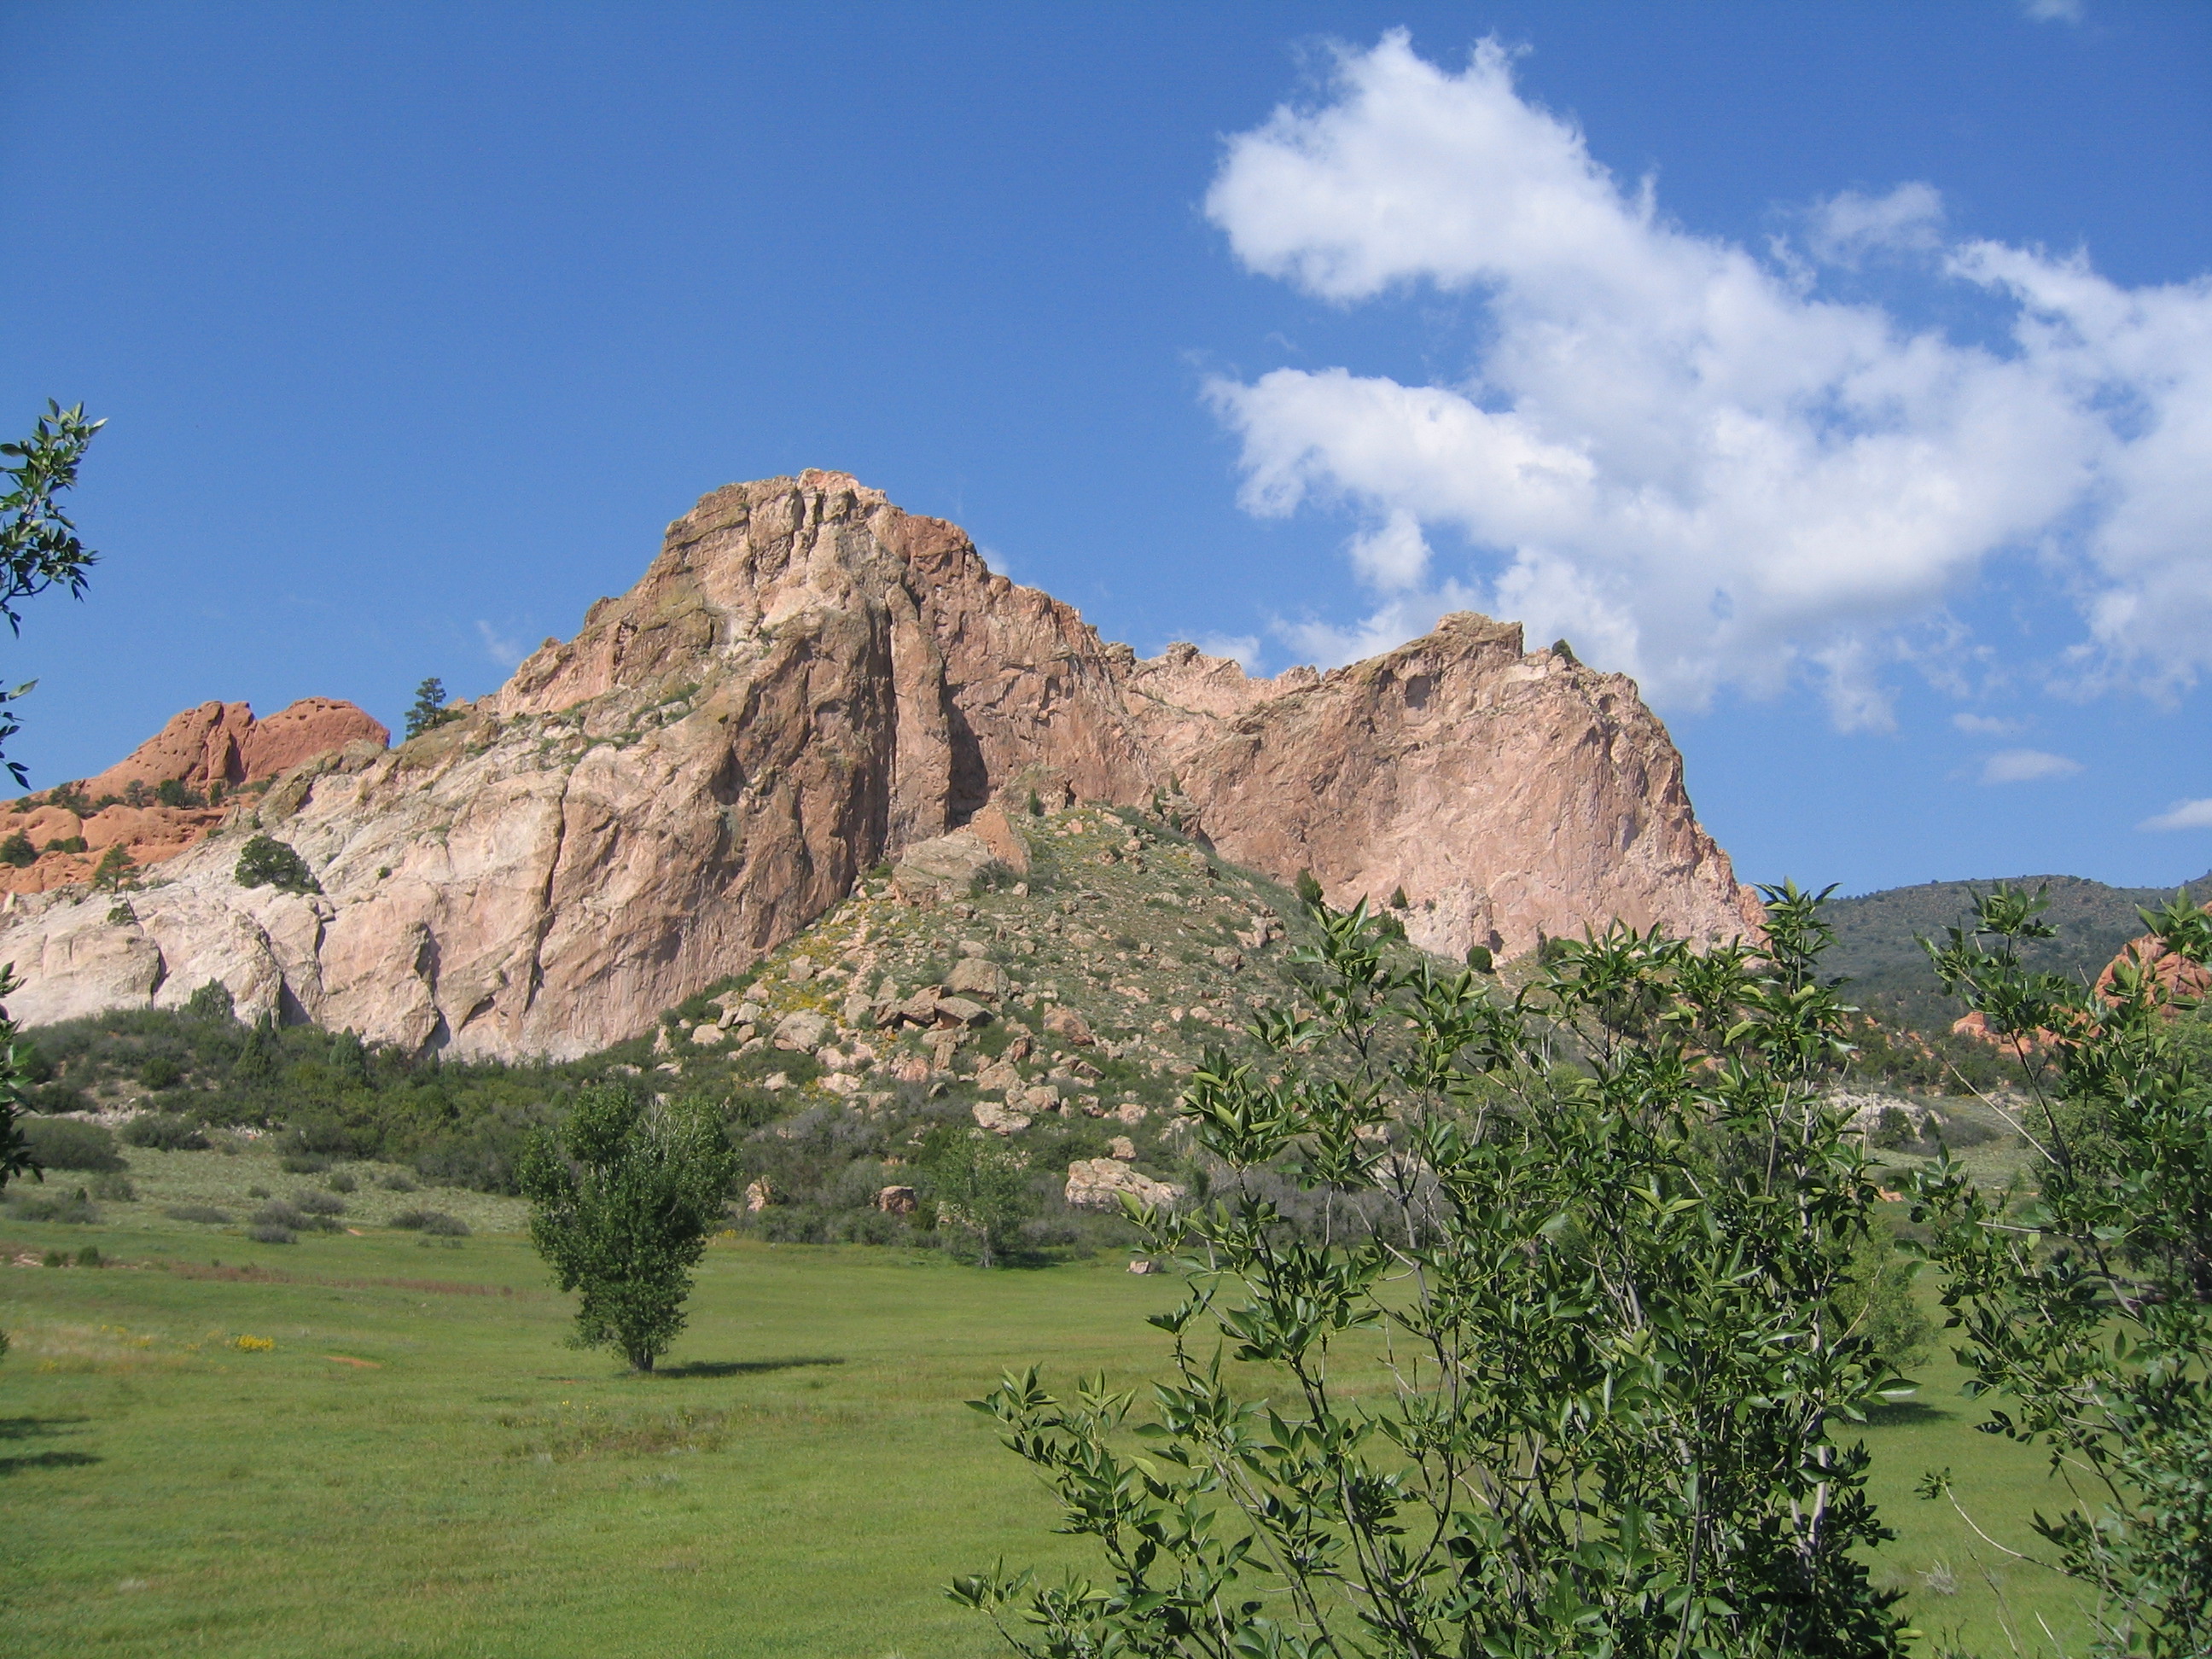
807, 681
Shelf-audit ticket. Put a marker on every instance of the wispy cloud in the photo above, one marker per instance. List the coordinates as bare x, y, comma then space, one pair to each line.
1984, 726
2053, 11
2182, 815
1846, 228
2026, 766
1680, 453
507, 653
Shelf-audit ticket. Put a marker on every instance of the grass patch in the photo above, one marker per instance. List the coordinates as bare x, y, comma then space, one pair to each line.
419, 1464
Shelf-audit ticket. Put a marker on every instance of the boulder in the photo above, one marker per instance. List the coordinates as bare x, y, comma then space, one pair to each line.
976, 976
929, 868
803, 1030
1098, 1183
1000, 1120
1000, 1074
1001, 837
1122, 1148
1068, 1026
897, 1201
959, 1011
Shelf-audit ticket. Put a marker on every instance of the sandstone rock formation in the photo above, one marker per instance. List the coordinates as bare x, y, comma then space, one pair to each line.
217, 746
223, 742
2177, 977
808, 680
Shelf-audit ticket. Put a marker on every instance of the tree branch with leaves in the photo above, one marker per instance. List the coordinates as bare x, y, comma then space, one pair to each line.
1568, 1365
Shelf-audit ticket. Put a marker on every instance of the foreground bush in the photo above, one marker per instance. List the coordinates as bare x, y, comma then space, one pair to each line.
1579, 1382
2087, 1308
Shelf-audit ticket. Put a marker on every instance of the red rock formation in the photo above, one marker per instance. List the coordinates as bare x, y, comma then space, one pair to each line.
807, 681
2177, 976
222, 743
217, 743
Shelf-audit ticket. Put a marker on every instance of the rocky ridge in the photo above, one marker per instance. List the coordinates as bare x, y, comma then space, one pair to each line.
808, 680
202, 755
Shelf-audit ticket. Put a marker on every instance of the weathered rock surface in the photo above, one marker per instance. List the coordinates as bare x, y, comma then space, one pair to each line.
1510, 793
1098, 1183
807, 681
223, 742
218, 744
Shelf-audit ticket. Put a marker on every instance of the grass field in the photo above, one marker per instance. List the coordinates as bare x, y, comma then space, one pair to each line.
418, 1465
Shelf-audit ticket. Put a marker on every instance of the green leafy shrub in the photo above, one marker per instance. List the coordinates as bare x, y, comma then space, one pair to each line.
66, 844
68, 1143
311, 1203
342, 1183
201, 1212
2086, 1303
395, 1181
1566, 1372
114, 1188
174, 791
436, 1223
75, 1208
168, 1132
211, 1004
271, 1232
265, 861
293, 1217
17, 850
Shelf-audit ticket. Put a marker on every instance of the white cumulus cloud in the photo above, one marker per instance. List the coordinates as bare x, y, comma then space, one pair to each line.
2026, 766
1679, 454
2182, 815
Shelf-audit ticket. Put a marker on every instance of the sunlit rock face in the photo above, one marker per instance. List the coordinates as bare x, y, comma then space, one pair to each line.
808, 680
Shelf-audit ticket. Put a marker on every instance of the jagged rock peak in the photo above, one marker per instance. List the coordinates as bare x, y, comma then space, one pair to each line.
807, 681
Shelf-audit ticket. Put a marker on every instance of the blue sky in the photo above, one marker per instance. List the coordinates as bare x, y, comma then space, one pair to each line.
1843, 372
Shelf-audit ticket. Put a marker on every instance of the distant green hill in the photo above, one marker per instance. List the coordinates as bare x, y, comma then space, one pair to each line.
1876, 935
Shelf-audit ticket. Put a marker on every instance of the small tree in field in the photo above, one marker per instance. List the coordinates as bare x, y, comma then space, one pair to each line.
2087, 1306
622, 1199
1564, 1367
979, 1187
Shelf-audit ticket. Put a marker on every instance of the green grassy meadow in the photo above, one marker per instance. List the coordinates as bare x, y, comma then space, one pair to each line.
419, 1465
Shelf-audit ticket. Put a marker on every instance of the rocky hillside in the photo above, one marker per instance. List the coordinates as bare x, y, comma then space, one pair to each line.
1876, 936
808, 680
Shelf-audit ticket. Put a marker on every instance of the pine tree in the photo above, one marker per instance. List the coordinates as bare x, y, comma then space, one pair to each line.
430, 709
